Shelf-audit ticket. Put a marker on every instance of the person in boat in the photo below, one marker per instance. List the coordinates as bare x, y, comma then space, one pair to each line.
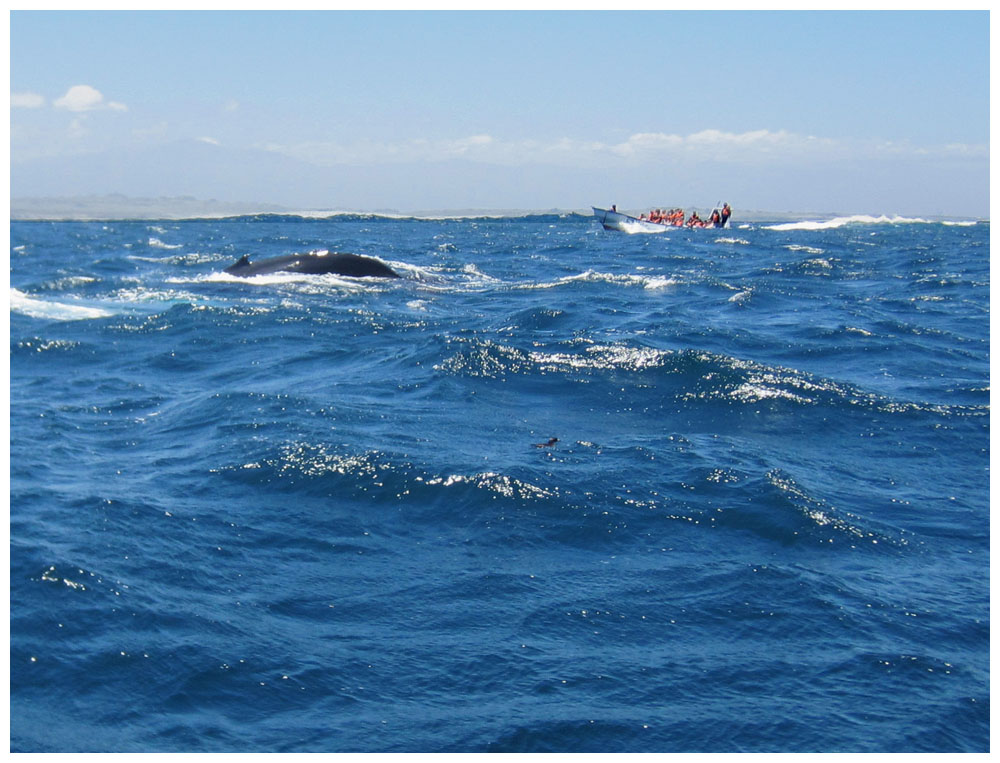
614, 207
716, 220
695, 222
726, 214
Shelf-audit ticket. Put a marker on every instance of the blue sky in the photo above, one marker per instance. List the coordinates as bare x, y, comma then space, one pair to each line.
829, 111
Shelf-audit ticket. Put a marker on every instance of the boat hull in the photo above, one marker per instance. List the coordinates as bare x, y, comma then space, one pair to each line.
612, 220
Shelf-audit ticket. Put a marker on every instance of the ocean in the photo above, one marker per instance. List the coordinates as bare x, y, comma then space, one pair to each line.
557, 489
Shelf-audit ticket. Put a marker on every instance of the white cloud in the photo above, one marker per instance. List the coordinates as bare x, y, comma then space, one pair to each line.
754, 147
26, 101
473, 141
720, 145
78, 128
367, 151
210, 141
86, 98
80, 98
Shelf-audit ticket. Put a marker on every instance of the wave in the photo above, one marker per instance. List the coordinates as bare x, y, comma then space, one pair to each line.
323, 469
155, 243
354, 216
188, 258
690, 377
57, 311
594, 276
68, 282
840, 222
777, 507
348, 216
639, 227
302, 282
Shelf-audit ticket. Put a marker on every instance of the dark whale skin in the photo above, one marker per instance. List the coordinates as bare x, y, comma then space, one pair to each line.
340, 263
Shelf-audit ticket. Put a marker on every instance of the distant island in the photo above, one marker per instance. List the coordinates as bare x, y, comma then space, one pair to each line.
121, 207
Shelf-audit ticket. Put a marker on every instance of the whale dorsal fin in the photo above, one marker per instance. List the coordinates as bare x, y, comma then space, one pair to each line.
244, 260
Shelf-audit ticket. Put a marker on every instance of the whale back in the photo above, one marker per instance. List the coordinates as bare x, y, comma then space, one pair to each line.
339, 263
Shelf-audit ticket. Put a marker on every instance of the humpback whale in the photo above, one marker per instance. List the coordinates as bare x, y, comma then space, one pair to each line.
339, 263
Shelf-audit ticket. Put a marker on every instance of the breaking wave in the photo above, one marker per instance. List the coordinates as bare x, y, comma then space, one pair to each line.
57, 311
840, 222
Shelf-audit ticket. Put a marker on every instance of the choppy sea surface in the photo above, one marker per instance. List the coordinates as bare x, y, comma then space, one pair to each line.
307, 513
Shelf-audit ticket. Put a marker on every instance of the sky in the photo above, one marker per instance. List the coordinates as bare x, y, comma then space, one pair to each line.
857, 112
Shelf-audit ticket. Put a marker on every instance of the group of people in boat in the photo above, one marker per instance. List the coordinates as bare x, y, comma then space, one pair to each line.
665, 216
675, 217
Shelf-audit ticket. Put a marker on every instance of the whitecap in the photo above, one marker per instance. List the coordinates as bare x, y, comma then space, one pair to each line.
633, 228
142, 294
68, 282
819, 262
647, 282
58, 311
660, 282
155, 243
188, 258
750, 392
508, 487
839, 222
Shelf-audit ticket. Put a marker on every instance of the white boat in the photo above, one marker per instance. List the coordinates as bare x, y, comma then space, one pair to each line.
612, 219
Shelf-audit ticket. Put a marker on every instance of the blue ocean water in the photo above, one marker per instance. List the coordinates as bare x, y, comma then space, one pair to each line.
307, 513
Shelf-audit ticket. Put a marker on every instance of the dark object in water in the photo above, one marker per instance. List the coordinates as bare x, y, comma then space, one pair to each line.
340, 263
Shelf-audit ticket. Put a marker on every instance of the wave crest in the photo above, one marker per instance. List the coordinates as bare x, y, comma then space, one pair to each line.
56, 311
840, 222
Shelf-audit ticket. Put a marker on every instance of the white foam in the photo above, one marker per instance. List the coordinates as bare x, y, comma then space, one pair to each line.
69, 282
280, 278
839, 222
640, 226
58, 311
659, 282
155, 243
647, 282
